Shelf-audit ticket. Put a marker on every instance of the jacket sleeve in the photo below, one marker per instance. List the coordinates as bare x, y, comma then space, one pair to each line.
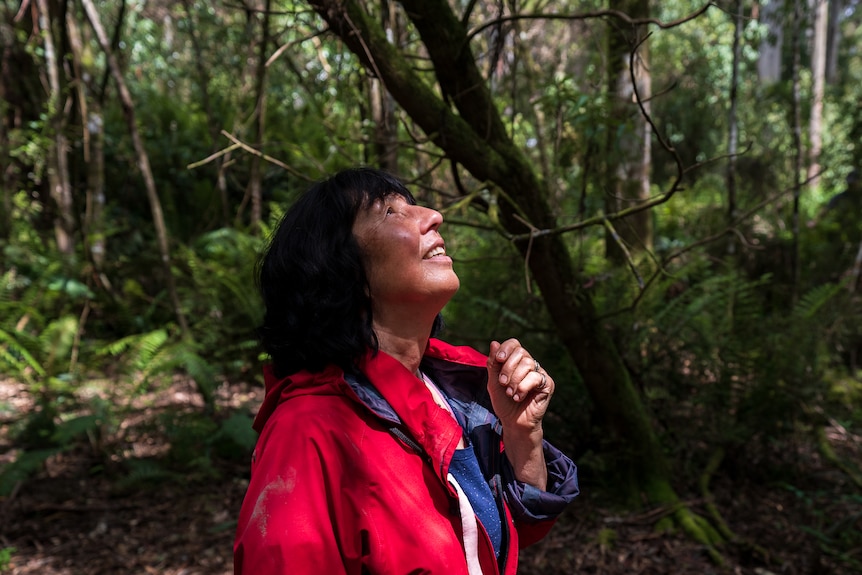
533, 510
293, 518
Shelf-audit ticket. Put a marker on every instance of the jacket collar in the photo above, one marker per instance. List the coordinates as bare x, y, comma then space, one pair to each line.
394, 394
432, 427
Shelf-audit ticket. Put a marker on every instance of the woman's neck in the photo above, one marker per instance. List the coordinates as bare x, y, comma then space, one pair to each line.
405, 345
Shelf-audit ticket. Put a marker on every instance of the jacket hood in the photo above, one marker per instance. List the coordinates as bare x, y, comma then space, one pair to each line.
278, 390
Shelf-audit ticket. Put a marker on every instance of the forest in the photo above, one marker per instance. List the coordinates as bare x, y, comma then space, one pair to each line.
662, 200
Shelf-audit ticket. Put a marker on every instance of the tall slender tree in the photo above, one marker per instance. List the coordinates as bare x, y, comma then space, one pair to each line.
628, 150
796, 127
769, 61
202, 75
833, 39
51, 22
255, 178
90, 101
142, 159
818, 81
384, 148
733, 122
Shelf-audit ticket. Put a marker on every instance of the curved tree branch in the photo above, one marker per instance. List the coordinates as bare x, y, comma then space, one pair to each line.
589, 16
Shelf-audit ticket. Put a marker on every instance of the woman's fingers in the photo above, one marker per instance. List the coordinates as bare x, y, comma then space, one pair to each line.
514, 368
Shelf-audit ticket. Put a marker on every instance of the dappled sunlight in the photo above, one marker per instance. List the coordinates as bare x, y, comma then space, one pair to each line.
79, 515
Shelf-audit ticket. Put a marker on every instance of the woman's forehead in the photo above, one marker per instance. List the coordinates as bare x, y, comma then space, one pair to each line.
372, 200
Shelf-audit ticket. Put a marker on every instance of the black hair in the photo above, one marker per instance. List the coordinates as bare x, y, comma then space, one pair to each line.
312, 279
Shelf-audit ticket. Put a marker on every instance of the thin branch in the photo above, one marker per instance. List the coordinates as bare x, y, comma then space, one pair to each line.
212, 157
22, 11
649, 204
365, 47
588, 16
664, 144
662, 92
626, 253
529, 250
284, 47
703, 241
469, 224
263, 156
599, 220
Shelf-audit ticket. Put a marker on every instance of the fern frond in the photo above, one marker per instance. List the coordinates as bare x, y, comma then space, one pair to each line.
15, 358
144, 471
68, 431
813, 300
27, 463
143, 347
198, 369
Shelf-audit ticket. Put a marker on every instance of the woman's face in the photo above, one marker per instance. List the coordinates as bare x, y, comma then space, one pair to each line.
404, 255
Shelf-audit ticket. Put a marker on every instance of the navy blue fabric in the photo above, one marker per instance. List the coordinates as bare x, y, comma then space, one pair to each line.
465, 469
465, 388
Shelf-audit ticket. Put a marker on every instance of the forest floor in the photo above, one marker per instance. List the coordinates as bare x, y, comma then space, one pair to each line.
71, 518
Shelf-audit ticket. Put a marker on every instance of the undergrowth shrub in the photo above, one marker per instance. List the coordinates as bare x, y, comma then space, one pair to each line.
721, 367
220, 298
47, 344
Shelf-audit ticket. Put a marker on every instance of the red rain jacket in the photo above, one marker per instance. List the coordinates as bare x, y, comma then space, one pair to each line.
334, 491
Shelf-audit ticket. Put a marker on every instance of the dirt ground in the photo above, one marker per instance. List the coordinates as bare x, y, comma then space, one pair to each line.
71, 519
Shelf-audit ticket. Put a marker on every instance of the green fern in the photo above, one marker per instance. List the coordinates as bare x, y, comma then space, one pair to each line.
143, 347
156, 355
27, 463
813, 301
70, 430
719, 349
16, 360
145, 472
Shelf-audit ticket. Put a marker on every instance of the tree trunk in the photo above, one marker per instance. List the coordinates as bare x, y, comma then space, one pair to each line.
475, 137
6, 125
213, 122
733, 125
143, 161
769, 62
833, 42
796, 114
254, 184
383, 149
93, 140
58, 154
248, 74
818, 77
628, 150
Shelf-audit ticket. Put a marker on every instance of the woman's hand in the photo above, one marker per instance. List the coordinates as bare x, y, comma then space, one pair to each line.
520, 391
520, 388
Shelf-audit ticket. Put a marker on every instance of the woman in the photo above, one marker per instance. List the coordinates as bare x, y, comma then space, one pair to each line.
380, 447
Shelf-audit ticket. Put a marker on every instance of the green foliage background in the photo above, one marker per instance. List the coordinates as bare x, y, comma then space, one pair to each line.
724, 354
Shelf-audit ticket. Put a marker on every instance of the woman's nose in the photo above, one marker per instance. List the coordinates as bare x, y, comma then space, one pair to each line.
431, 219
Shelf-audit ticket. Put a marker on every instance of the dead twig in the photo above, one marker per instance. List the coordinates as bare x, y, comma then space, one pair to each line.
256, 152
